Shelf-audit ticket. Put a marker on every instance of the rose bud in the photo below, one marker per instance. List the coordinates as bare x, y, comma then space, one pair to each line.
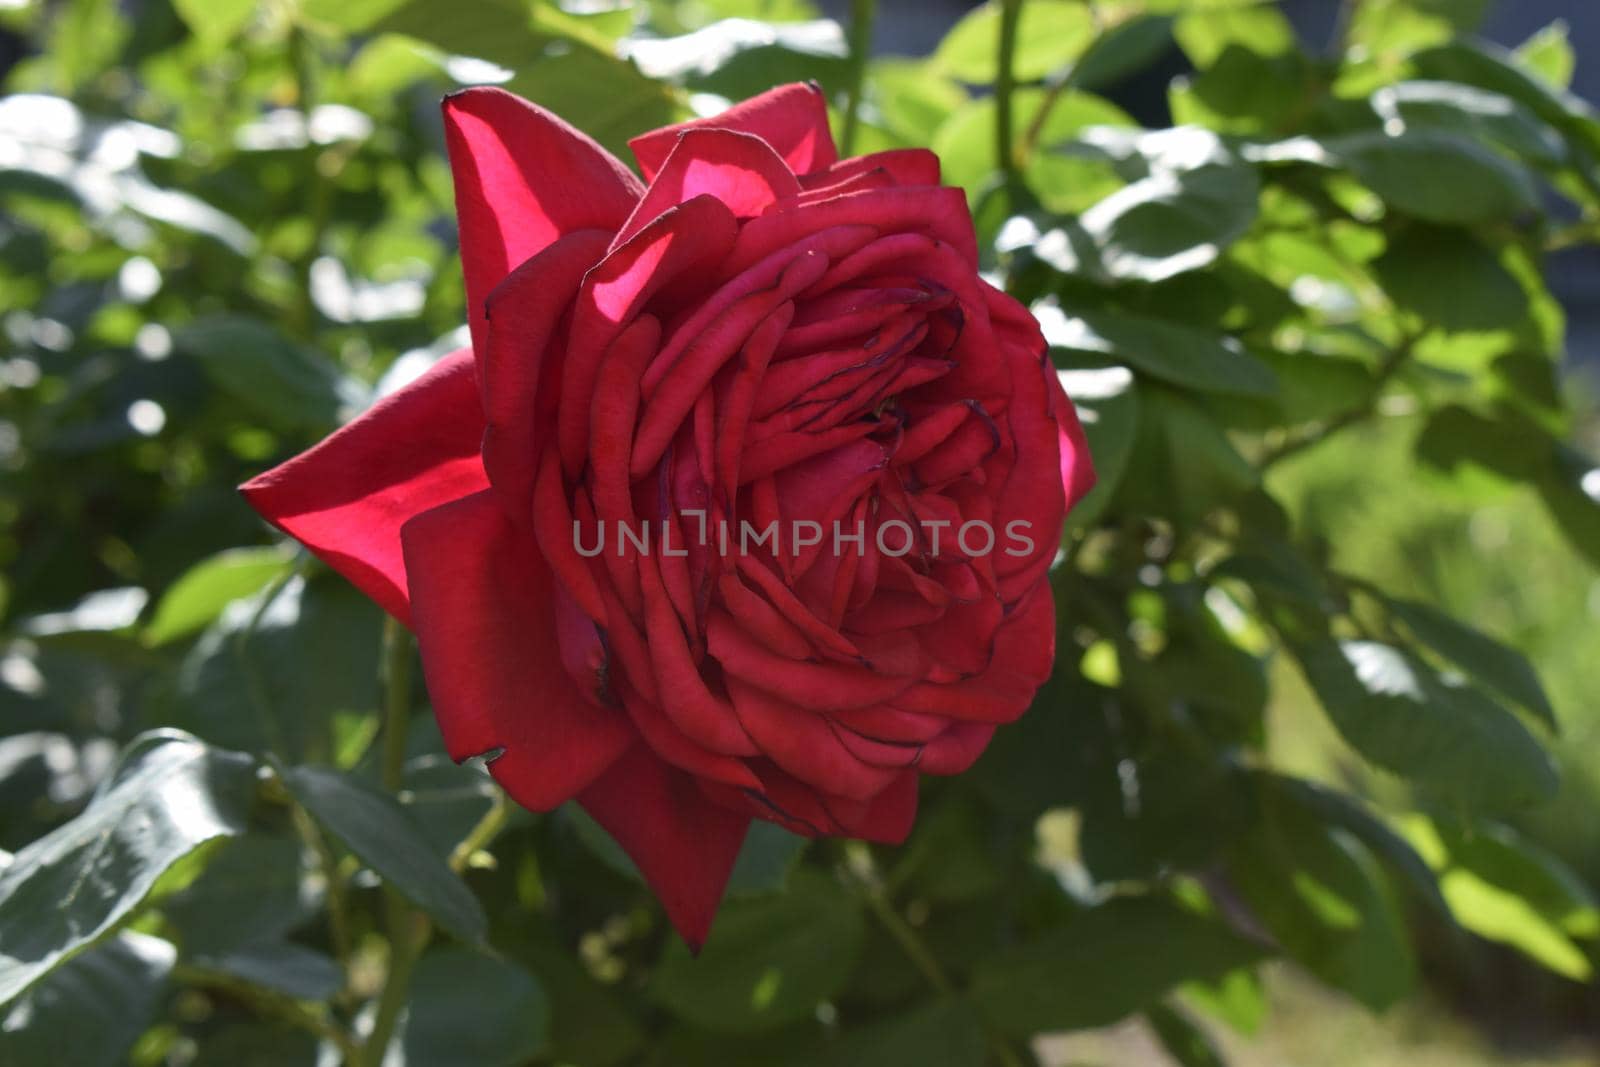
742, 501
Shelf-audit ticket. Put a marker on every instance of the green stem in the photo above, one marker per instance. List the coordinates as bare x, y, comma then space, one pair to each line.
319, 194
396, 702
338, 906
1392, 363
862, 871
1058, 88
486, 830
862, 14
408, 931
1005, 88
270, 1003
407, 928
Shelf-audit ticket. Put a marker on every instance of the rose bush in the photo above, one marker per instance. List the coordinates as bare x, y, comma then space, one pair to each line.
762, 335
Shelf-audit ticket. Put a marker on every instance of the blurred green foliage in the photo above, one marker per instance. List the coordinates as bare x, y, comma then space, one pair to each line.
1309, 331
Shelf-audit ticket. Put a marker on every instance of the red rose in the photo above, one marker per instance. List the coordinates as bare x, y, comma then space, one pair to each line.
762, 334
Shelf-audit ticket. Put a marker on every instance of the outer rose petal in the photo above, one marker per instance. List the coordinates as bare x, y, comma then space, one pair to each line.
346, 498
484, 614
793, 119
523, 178
1077, 466
684, 844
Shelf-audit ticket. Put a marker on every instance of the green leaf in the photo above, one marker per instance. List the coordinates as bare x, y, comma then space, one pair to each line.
1320, 893
1475, 113
281, 966
351, 16
964, 142
738, 58
564, 82
1493, 913
1103, 964
770, 960
1168, 351
942, 1033
1438, 176
1456, 436
1571, 490
1050, 35
948, 857
251, 891
1548, 55
89, 1012
1184, 1041
377, 830
1351, 815
588, 1023
277, 681
168, 796
215, 21
468, 1009
1504, 887
1189, 200
1487, 67
1184, 466
497, 30
1444, 736
1108, 406
1498, 666
1245, 91
265, 372
200, 594
766, 859
1451, 279
1124, 49
1206, 35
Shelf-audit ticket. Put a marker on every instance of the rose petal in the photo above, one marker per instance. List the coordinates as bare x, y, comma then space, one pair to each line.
958, 748
522, 315
739, 169
689, 239
346, 498
686, 378
802, 743
705, 718
523, 178
824, 686
484, 616
931, 210
907, 166
793, 119
670, 744
684, 844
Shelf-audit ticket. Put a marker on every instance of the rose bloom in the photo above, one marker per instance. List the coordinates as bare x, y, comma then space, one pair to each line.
760, 332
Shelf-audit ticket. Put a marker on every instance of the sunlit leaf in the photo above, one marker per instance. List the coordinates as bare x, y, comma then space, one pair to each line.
169, 796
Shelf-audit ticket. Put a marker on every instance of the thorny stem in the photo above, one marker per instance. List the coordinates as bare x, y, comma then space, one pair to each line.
862, 14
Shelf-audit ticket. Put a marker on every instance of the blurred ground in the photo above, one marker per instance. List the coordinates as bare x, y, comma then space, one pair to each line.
1308, 1026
